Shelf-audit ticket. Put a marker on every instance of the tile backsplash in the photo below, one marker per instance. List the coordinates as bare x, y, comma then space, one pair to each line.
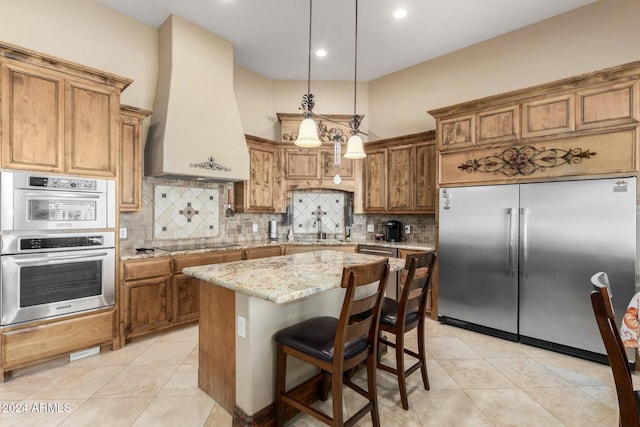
185, 212
318, 211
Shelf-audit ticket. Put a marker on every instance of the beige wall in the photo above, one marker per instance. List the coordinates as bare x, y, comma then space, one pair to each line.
597, 36
87, 33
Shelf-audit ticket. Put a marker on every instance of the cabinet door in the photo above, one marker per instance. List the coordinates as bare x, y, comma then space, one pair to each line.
32, 119
329, 169
375, 177
147, 304
425, 177
400, 178
261, 180
130, 170
301, 164
185, 302
91, 129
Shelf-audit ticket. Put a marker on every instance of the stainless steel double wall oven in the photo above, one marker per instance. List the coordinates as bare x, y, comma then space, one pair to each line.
57, 245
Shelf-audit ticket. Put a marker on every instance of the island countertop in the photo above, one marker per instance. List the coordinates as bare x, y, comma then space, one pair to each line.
285, 278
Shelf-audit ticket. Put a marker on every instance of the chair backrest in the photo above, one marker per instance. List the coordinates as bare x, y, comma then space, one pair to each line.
359, 317
603, 310
418, 277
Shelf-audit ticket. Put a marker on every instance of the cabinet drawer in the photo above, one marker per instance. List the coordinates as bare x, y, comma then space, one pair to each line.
147, 268
254, 253
185, 261
22, 346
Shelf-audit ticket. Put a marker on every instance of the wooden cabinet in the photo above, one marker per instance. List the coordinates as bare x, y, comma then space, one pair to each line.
400, 175
146, 296
301, 163
262, 193
185, 288
157, 295
375, 181
58, 116
130, 172
329, 169
264, 252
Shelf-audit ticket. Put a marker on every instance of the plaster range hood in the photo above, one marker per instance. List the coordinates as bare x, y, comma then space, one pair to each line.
195, 131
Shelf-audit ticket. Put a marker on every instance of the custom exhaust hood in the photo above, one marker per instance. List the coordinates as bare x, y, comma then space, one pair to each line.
195, 130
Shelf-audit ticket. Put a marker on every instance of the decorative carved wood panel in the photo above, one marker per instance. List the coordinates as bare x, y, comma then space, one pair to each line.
498, 125
609, 105
457, 132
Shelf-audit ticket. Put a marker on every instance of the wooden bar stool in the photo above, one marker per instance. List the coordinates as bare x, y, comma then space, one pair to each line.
399, 317
336, 345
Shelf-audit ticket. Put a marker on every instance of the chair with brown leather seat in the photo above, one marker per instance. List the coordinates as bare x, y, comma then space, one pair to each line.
337, 345
408, 313
628, 399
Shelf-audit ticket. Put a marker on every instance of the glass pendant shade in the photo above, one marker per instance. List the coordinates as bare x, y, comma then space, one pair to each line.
308, 134
355, 149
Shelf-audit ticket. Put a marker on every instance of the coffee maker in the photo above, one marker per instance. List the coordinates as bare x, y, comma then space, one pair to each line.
393, 231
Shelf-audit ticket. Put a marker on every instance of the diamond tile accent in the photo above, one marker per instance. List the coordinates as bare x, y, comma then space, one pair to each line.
182, 212
308, 205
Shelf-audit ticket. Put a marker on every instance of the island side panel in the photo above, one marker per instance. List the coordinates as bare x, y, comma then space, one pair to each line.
217, 354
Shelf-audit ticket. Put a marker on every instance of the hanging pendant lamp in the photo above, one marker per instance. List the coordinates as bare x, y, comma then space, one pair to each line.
355, 150
308, 131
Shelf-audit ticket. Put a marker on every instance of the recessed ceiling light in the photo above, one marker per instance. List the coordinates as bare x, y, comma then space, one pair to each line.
400, 13
321, 53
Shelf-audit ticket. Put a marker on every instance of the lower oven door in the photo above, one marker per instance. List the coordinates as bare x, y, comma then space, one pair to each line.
43, 285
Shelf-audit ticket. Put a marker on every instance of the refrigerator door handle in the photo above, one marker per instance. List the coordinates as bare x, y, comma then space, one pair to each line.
510, 243
524, 241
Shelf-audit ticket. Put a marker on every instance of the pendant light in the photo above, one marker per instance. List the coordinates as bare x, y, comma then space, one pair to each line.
355, 149
308, 131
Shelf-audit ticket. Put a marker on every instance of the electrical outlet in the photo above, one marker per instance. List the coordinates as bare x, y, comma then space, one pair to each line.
242, 327
407, 229
123, 233
370, 228
255, 228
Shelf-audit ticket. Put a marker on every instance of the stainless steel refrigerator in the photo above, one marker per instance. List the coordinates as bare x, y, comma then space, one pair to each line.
515, 260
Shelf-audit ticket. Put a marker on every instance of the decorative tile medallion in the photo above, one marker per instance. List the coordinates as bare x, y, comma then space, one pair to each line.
185, 212
309, 208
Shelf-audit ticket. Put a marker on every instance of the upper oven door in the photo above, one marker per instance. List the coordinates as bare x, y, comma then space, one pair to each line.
26, 207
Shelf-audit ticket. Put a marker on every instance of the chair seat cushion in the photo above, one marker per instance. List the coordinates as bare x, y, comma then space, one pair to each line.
316, 336
389, 313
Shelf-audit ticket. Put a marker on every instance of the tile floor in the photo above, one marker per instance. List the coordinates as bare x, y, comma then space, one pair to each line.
476, 380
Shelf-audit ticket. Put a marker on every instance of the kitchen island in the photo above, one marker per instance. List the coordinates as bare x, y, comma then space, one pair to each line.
244, 303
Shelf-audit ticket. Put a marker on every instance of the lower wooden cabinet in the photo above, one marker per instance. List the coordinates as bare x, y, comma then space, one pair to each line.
157, 295
264, 252
296, 249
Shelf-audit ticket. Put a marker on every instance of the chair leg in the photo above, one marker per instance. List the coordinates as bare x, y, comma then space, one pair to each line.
423, 355
372, 388
402, 380
281, 371
336, 395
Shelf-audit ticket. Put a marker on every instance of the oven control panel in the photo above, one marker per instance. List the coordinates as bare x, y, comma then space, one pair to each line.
61, 242
62, 183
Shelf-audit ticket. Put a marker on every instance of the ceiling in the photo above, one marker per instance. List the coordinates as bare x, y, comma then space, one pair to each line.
271, 37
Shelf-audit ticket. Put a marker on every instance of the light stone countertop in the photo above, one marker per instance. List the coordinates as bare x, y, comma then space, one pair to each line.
285, 278
132, 254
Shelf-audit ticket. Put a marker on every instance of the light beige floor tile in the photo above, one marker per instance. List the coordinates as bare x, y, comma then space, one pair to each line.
447, 408
23, 386
77, 382
184, 382
107, 412
475, 373
176, 411
164, 353
137, 381
449, 348
528, 373
192, 358
187, 333
40, 413
604, 394
573, 407
511, 407
122, 357
218, 417
581, 373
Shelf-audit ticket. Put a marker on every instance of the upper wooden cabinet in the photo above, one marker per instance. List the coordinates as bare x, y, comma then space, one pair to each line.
579, 127
58, 116
400, 174
130, 174
263, 192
